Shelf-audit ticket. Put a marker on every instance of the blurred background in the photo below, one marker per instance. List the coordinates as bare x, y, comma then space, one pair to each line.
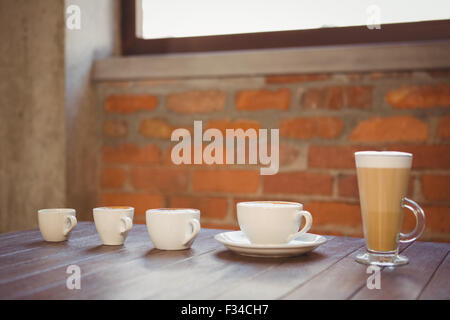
90, 92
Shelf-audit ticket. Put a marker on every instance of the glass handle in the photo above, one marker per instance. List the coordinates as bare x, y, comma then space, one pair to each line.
420, 221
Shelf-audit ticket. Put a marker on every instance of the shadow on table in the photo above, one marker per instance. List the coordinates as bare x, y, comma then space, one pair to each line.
45, 244
234, 257
102, 248
162, 257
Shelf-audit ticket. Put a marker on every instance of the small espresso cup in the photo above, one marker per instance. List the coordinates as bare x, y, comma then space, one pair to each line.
173, 228
56, 224
272, 222
113, 224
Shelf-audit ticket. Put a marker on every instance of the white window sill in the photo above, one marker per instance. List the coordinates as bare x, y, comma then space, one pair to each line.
357, 58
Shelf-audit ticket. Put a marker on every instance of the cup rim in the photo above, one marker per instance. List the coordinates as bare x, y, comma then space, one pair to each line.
57, 210
274, 203
114, 209
383, 153
172, 210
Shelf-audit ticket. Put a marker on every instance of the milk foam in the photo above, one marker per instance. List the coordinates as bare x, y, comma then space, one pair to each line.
172, 210
383, 159
270, 204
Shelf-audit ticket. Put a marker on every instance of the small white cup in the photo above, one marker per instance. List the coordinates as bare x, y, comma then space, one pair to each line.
173, 229
272, 222
113, 224
56, 224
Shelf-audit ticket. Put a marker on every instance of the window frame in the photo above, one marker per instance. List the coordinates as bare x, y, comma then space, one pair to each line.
389, 33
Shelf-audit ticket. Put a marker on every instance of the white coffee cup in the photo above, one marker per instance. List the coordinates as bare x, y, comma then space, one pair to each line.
272, 222
113, 224
56, 224
173, 229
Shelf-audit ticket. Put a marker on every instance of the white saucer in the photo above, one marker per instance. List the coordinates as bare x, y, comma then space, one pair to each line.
237, 241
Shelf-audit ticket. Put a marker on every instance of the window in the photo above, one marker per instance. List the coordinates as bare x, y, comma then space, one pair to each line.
161, 26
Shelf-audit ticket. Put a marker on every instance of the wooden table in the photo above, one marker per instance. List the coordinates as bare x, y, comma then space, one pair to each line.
33, 269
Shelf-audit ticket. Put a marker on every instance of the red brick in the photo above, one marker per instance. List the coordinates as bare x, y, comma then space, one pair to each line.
427, 156
196, 101
224, 124
159, 179
323, 98
335, 214
232, 181
287, 154
131, 154
113, 128
113, 178
437, 225
359, 97
436, 187
307, 128
341, 157
437, 221
348, 186
291, 78
210, 208
140, 201
130, 103
390, 129
156, 128
298, 183
254, 100
420, 97
444, 128
159, 128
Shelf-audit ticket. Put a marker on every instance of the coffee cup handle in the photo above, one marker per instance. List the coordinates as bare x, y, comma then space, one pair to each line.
128, 223
420, 221
73, 223
195, 230
306, 227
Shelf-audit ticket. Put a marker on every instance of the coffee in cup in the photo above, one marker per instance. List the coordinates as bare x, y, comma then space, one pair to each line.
383, 178
113, 223
173, 228
56, 224
272, 222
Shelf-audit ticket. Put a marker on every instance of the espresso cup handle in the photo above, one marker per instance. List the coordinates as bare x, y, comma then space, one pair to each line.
195, 230
73, 223
128, 224
420, 221
306, 227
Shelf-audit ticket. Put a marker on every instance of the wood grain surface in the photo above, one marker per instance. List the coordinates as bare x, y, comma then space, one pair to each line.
31, 268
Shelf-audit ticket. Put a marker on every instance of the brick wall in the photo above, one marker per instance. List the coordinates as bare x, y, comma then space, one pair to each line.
323, 119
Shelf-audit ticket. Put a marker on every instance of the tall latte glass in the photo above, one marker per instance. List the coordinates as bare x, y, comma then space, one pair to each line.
383, 183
